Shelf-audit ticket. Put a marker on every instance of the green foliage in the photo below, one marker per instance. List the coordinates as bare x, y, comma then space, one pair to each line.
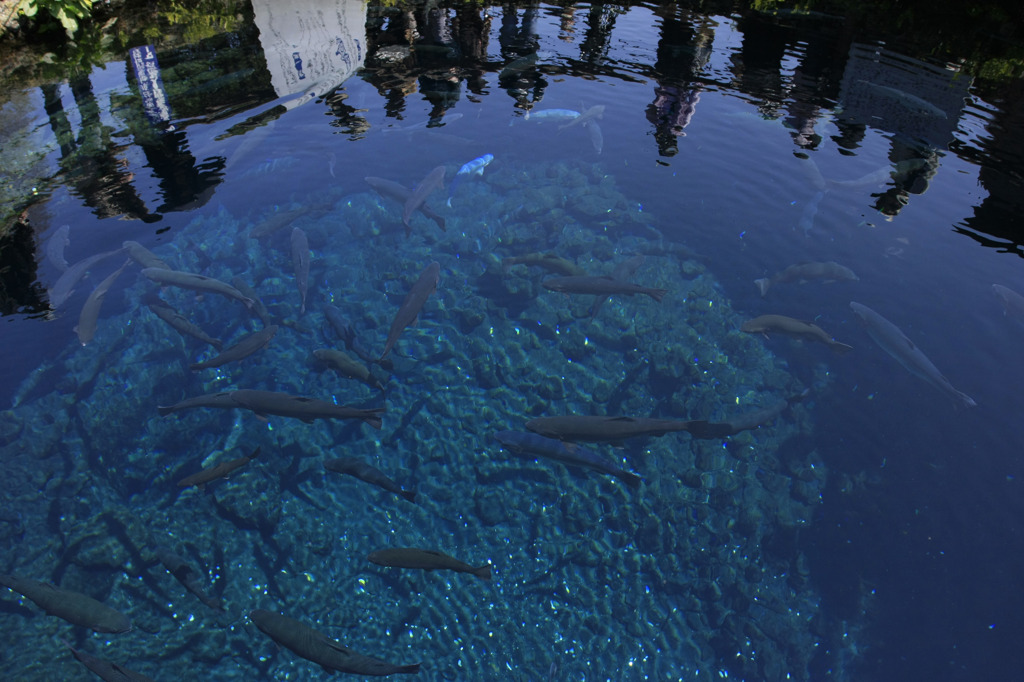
65, 12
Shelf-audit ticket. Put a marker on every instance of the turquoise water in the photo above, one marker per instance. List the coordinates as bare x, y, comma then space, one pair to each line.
843, 533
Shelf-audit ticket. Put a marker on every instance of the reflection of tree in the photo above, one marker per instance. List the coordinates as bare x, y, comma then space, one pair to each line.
90, 162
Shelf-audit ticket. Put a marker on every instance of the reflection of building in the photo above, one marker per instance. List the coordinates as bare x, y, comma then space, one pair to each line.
310, 47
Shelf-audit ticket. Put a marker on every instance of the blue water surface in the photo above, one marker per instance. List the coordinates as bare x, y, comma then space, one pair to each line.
867, 528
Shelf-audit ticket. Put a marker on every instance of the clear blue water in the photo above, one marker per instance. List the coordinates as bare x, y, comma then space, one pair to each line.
869, 531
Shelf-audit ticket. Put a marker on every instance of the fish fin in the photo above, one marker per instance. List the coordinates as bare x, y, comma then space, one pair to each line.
765, 335
762, 285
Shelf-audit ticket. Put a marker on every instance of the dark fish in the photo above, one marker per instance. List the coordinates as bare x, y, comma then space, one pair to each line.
894, 342
298, 407
55, 247
276, 221
186, 575
370, 474
258, 307
74, 607
548, 261
622, 272
343, 328
107, 671
246, 346
530, 444
222, 400
194, 282
427, 560
300, 262
597, 428
830, 272
65, 284
1013, 303
177, 321
348, 367
599, 286
412, 305
596, 137
143, 256
743, 422
434, 179
389, 189
792, 327
90, 315
222, 470
315, 646
593, 113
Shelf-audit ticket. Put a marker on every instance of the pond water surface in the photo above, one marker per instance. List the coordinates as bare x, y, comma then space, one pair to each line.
835, 494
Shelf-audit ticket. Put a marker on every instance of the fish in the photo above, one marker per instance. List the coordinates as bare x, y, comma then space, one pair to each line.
622, 272
74, 607
906, 99
744, 422
276, 221
315, 646
410, 309
531, 444
591, 114
65, 284
474, 167
299, 407
258, 307
829, 271
343, 328
177, 321
596, 137
370, 474
434, 179
389, 189
222, 400
552, 115
107, 671
600, 286
89, 317
894, 342
300, 262
222, 470
185, 574
55, 247
547, 261
347, 366
194, 282
246, 346
1013, 303
424, 125
598, 429
143, 256
792, 327
425, 559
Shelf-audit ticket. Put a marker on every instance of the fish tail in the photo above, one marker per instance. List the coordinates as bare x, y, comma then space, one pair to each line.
164, 410
483, 572
762, 285
656, 294
409, 495
373, 418
410, 669
841, 348
630, 479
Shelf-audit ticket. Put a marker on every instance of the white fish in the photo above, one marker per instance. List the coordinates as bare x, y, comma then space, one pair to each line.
894, 342
55, 247
474, 167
